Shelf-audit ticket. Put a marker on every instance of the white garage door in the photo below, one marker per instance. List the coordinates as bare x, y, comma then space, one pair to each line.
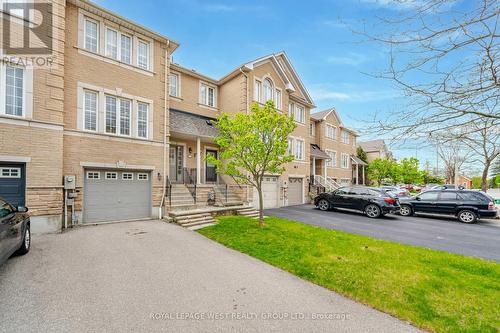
295, 189
116, 195
270, 187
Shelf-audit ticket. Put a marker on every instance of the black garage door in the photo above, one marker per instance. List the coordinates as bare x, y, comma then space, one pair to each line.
13, 183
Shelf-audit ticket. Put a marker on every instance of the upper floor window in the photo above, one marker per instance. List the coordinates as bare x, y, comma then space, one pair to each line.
312, 129
90, 111
207, 95
143, 55
268, 90
173, 84
296, 148
91, 32
142, 119
331, 132
14, 91
126, 49
278, 99
297, 112
332, 162
354, 141
345, 161
111, 43
117, 115
257, 90
345, 137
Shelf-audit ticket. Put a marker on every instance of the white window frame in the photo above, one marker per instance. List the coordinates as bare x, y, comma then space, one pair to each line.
96, 110
97, 23
142, 176
120, 48
117, 43
344, 158
131, 174
291, 145
344, 136
11, 172
106, 114
118, 115
299, 113
204, 99
257, 90
148, 55
312, 129
332, 163
279, 98
300, 155
111, 175
177, 86
147, 119
93, 173
270, 83
333, 129
3, 91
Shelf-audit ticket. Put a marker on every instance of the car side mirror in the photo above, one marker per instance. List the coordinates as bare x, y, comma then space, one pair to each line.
22, 209
418, 198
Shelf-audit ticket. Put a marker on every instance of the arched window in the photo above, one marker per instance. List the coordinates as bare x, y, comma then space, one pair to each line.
268, 90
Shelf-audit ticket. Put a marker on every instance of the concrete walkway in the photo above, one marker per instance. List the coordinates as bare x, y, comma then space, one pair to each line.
153, 276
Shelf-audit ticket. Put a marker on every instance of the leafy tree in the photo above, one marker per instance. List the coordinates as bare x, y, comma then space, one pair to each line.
409, 171
361, 154
380, 169
476, 182
253, 145
431, 179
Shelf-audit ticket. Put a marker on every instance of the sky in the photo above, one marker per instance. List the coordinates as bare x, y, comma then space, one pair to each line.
335, 64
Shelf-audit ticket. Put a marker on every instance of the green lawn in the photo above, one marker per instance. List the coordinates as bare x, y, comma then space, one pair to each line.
434, 290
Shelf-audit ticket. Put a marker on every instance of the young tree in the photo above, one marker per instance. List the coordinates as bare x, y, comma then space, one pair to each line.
454, 154
380, 169
361, 154
253, 145
409, 169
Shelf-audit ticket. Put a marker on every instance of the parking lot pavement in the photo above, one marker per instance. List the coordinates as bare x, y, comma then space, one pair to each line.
480, 240
152, 276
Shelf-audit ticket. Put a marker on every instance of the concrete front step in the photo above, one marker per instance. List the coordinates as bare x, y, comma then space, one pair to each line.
200, 222
201, 226
181, 219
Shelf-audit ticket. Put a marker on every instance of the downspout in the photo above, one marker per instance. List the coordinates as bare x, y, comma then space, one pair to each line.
165, 127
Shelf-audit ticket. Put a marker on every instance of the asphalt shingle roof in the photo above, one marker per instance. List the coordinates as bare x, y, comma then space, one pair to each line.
192, 124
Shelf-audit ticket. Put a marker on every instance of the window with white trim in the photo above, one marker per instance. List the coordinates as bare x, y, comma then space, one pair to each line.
353, 141
344, 161
312, 129
142, 176
111, 43
290, 146
291, 111
331, 132
332, 162
173, 84
126, 49
257, 90
10, 172
268, 90
345, 137
93, 175
299, 149
124, 124
278, 99
13, 82
297, 112
90, 110
207, 95
111, 175
91, 33
127, 176
143, 54
110, 115
142, 119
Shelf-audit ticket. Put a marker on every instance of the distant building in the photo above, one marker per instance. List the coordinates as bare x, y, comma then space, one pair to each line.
376, 149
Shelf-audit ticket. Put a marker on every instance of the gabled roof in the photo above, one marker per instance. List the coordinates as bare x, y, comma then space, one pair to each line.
373, 145
322, 115
192, 124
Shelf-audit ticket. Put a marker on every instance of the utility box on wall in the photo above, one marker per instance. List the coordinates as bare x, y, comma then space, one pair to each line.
69, 182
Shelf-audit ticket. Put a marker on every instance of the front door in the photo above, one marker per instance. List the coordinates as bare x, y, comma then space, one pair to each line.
176, 163
210, 169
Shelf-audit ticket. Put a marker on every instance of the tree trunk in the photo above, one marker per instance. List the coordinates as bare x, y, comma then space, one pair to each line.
261, 207
484, 176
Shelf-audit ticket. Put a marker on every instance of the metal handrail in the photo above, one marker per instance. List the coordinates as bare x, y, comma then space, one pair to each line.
169, 191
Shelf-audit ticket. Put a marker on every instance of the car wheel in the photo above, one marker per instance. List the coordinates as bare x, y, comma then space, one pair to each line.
372, 211
26, 244
323, 205
406, 210
467, 216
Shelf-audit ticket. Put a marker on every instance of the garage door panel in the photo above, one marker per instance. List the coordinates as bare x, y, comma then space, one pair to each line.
13, 183
295, 191
116, 199
270, 192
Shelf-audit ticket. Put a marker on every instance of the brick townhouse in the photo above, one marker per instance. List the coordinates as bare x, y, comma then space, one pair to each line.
134, 129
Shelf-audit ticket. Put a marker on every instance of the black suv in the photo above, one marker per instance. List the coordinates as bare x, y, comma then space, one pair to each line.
374, 202
467, 206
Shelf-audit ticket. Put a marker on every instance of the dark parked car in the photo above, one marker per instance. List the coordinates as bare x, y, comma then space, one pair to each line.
467, 206
15, 236
395, 190
374, 202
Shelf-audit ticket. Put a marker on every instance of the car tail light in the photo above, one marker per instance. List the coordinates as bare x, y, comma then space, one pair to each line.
491, 206
390, 200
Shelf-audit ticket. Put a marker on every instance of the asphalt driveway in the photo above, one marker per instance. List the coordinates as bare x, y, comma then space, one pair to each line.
152, 276
441, 233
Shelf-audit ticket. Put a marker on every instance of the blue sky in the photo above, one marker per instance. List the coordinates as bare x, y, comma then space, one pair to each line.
217, 36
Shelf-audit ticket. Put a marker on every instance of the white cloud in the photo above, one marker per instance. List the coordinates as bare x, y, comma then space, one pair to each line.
394, 4
352, 59
323, 93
